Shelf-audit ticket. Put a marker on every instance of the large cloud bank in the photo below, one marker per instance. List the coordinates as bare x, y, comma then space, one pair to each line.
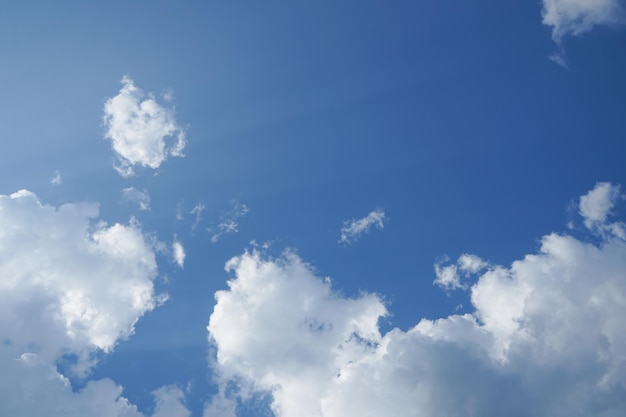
546, 337
142, 131
69, 285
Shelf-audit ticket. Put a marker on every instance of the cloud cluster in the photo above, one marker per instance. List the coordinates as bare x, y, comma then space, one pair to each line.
353, 229
142, 132
546, 337
69, 285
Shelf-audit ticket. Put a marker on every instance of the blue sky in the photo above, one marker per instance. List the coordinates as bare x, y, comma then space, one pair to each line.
318, 209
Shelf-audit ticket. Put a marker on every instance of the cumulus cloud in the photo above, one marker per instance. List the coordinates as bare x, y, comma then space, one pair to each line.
139, 197
282, 329
70, 285
142, 132
449, 276
178, 252
546, 337
353, 229
47, 254
597, 204
230, 220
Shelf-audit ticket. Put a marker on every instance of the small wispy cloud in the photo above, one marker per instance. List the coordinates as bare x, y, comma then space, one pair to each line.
142, 132
56, 180
559, 58
196, 211
178, 252
229, 221
353, 229
139, 197
179, 211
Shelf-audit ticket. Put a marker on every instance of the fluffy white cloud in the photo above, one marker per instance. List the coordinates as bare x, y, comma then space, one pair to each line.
353, 229
449, 276
597, 204
282, 329
546, 337
574, 17
139, 197
69, 282
229, 222
178, 252
68, 285
142, 132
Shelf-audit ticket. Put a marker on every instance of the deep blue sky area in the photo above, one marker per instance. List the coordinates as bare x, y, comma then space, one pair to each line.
449, 116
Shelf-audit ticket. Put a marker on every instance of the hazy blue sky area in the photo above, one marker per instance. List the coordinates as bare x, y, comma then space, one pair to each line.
313, 209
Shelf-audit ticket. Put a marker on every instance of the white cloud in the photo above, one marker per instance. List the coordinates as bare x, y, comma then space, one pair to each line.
471, 264
142, 132
197, 211
46, 253
169, 402
575, 17
559, 58
279, 326
56, 180
179, 252
353, 229
597, 204
546, 337
229, 222
139, 197
30, 387
449, 277
220, 406
225, 227
69, 285
179, 211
